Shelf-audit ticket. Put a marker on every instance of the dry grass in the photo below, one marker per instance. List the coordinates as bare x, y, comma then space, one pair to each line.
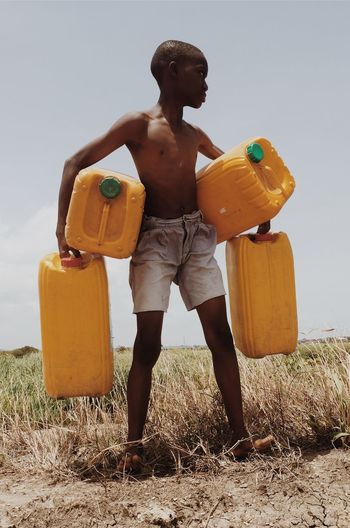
302, 399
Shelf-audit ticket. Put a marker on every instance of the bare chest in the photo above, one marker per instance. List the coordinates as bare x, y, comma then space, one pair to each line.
165, 145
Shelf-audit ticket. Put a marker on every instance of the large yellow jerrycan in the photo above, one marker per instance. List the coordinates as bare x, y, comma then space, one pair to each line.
243, 188
261, 284
75, 332
105, 213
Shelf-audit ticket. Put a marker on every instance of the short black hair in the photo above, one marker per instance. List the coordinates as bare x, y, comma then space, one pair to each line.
170, 50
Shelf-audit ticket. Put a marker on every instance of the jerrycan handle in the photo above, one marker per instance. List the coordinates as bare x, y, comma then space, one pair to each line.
71, 262
110, 188
256, 154
259, 237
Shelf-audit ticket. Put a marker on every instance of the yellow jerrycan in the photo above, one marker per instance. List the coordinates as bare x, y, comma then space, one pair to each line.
75, 332
105, 213
243, 188
260, 273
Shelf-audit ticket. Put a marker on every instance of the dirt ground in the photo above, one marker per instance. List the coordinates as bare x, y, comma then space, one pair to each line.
312, 491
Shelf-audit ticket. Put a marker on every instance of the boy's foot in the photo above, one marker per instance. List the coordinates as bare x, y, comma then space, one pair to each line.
242, 448
132, 459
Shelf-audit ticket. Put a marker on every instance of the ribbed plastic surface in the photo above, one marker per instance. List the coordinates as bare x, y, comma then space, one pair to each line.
262, 295
76, 345
236, 194
101, 225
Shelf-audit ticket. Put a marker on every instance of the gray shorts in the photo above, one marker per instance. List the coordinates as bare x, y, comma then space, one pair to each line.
179, 250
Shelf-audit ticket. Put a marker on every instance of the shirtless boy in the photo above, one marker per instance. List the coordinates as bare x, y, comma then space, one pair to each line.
174, 243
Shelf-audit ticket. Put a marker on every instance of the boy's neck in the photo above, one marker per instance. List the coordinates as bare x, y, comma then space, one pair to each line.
171, 109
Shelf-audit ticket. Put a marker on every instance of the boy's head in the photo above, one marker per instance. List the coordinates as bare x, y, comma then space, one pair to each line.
181, 67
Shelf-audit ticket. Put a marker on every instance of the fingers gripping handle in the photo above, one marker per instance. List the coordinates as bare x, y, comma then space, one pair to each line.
71, 262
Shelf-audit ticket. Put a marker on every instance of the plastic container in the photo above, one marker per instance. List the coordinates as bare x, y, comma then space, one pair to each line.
105, 213
243, 188
261, 284
75, 332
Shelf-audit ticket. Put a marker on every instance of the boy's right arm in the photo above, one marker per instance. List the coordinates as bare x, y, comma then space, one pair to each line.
127, 130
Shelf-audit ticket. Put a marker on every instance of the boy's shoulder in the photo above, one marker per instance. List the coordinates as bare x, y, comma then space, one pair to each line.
138, 119
137, 123
196, 130
136, 116
144, 115
130, 127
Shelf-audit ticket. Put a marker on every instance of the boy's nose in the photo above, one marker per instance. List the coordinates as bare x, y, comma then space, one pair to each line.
205, 86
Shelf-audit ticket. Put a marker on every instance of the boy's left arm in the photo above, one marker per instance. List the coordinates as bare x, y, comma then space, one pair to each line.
208, 149
206, 146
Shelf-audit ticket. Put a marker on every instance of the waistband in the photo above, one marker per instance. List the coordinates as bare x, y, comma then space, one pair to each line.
163, 222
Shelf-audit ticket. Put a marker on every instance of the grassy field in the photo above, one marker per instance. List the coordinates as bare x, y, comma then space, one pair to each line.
302, 399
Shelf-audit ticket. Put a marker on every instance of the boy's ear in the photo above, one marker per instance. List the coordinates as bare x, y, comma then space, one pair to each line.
172, 69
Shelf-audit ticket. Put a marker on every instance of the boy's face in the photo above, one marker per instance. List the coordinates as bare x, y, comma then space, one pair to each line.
192, 86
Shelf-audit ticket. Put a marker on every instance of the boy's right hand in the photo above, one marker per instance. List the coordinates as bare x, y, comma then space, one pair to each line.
64, 248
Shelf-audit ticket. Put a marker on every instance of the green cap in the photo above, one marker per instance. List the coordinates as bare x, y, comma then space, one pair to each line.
110, 187
255, 152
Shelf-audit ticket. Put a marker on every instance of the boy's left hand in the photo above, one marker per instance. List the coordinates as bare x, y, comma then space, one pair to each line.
264, 228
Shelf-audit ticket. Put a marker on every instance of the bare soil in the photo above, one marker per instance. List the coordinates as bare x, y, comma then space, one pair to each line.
312, 490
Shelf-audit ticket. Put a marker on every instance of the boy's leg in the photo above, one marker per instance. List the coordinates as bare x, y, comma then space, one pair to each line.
212, 314
217, 333
145, 354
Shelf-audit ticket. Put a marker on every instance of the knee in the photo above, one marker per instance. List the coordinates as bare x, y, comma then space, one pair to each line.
219, 338
146, 349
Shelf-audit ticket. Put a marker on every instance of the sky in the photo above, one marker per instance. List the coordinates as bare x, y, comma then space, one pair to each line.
276, 69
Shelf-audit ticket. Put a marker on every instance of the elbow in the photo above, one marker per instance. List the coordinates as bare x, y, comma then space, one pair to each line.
73, 163
70, 163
